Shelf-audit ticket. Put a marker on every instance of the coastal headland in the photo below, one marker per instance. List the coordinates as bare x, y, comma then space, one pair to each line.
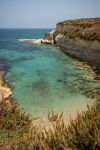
78, 38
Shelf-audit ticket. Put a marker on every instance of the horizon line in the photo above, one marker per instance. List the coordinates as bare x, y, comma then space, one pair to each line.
26, 28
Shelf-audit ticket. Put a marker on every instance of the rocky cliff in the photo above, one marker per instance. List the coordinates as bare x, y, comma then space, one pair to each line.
79, 38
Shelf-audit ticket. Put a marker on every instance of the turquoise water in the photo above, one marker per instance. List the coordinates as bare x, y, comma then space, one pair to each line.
42, 77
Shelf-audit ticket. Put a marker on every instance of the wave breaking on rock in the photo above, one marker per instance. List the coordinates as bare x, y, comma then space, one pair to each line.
35, 41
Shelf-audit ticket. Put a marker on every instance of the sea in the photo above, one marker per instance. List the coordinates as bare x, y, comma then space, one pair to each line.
42, 77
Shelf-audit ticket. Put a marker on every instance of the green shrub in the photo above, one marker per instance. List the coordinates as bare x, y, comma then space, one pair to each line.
13, 122
83, 133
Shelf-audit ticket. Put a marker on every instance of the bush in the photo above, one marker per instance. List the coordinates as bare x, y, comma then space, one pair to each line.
82, 133
18, 132
13, 122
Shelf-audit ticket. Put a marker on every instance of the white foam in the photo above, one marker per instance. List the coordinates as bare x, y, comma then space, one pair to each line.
33, 41
22, 40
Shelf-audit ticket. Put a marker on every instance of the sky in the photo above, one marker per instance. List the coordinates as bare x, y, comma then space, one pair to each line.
44, 13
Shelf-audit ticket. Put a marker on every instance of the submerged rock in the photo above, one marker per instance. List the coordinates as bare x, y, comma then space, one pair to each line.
41, 87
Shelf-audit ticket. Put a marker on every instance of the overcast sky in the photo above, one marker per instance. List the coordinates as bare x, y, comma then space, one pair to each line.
44, 13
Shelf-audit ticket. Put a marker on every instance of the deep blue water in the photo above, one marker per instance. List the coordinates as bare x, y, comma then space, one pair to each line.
42, 77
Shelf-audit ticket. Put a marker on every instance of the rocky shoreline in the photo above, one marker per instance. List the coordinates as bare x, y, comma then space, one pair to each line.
5, 90
78, 38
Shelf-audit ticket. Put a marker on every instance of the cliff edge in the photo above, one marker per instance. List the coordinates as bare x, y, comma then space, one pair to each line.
79, 38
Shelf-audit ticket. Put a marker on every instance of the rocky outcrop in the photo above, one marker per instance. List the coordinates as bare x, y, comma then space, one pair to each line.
5, 90
79, 38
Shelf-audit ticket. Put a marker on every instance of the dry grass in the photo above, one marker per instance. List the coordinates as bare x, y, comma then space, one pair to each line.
13, 122
83, 133
86, 28
77, 33
82, 21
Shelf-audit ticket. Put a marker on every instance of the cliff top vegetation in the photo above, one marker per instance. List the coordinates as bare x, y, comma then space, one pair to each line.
82, 20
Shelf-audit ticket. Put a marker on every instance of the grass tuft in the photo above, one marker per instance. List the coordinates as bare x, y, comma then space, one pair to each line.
83, 133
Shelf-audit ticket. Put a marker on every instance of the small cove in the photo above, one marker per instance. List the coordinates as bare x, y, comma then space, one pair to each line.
43, 77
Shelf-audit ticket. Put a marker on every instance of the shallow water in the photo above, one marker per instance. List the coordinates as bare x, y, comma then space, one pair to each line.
42, 77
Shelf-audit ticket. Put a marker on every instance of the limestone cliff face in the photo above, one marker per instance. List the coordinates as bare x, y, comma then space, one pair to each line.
79, 38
